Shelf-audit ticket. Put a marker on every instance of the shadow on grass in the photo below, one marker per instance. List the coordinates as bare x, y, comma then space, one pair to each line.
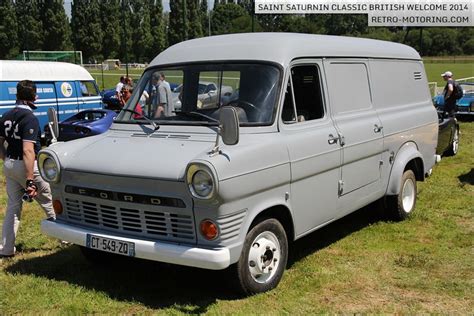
159, 285
335, 231
467, 178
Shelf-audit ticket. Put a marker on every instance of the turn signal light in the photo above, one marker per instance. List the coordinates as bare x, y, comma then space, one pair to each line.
209, 229
58, 207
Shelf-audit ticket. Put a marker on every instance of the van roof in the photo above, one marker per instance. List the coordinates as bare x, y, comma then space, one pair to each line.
16, 70
280, 48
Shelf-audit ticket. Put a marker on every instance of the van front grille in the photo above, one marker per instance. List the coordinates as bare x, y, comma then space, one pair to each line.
137, 220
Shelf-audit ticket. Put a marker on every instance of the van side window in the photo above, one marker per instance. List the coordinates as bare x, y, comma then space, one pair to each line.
306, 88
88, 89
348, 85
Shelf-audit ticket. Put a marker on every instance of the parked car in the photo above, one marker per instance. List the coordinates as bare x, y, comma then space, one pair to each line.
448, 135
83, 124
208, 93
465, 105
236, 184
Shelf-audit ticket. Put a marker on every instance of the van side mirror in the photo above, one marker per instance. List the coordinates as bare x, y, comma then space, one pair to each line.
53, 124
228, 128
229, 125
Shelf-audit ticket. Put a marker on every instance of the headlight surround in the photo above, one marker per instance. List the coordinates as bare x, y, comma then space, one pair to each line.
201, 181
48, 167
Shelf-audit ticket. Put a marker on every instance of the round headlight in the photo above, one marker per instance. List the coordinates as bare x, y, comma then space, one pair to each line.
201, 182
48, 167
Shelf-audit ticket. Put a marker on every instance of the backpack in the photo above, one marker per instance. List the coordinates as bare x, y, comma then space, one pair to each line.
458, 92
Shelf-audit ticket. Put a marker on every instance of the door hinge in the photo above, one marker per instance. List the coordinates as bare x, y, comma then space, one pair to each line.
340, 187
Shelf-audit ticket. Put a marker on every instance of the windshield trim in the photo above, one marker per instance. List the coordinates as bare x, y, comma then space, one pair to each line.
211, 62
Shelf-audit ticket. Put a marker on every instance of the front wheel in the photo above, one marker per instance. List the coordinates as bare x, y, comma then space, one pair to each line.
263, 259
400, 206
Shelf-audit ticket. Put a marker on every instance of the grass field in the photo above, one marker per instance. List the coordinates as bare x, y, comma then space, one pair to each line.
359, 264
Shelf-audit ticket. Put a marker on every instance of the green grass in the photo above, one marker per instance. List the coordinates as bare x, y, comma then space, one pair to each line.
359, 264
434, 71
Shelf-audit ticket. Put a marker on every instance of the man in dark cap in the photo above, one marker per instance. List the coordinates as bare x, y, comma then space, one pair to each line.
19, 128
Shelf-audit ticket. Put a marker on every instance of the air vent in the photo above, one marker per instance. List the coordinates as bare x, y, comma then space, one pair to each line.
417, 75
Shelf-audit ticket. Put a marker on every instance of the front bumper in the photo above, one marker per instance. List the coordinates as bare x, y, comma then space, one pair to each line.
213, 259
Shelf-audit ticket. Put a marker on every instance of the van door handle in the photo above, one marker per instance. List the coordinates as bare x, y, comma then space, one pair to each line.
332, 139
377, 129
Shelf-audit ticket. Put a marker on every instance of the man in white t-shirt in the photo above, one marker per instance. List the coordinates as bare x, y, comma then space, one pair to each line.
118, 88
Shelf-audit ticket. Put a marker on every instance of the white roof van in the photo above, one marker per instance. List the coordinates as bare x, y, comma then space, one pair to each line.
68, 88
300, 130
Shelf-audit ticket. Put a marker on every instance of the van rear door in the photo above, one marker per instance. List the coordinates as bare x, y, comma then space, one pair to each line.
67, 93
359, 128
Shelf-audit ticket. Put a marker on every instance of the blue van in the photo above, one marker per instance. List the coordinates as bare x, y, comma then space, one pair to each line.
68, 88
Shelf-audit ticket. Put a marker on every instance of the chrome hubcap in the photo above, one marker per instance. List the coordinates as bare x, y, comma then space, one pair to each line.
408, 195
264, 257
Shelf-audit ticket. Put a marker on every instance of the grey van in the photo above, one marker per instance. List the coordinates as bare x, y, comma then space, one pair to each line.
316, 127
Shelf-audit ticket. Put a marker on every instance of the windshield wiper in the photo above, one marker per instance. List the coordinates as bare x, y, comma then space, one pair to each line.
197, 114
152, 123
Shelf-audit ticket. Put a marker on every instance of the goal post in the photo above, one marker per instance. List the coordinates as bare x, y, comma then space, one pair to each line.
69, 56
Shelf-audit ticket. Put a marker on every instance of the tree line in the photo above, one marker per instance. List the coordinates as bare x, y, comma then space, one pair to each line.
138, 30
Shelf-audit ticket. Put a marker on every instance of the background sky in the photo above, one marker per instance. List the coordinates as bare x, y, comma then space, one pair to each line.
166, 5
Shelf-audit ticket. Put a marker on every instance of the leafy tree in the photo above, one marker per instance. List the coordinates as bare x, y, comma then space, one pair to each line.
56, 28
157, 26
223, 16
466, 38
110, 25
8, 30
177, 30
86, 27
194, 26
203, 8
125, 31
30, 30
346, 24
141, 30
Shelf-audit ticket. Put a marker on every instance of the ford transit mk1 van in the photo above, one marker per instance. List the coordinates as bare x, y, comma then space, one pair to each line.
68, 88
315, 127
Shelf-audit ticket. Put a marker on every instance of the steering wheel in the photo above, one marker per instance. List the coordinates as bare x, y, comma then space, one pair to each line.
248, 104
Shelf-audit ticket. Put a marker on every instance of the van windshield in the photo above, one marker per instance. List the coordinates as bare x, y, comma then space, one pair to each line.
194, 94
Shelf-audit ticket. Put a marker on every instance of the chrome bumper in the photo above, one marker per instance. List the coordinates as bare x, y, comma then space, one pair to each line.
213, 259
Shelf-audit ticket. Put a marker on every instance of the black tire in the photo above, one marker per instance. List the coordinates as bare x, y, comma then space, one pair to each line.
256, 242
397, 208
454, 145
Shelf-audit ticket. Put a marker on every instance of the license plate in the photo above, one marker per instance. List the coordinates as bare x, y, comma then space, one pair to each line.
110, 245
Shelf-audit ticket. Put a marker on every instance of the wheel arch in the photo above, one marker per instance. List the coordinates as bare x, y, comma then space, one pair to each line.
408, 157
279, 212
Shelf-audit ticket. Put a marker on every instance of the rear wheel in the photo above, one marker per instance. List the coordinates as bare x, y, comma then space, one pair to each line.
264, 257
400, 206
454, 146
